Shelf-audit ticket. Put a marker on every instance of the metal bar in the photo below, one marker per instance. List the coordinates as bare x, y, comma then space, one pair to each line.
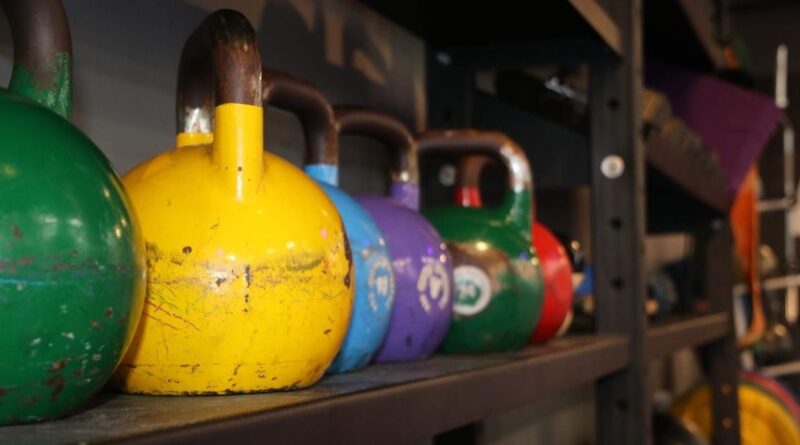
600, 22
695, 331
702, 23
720, 357
618, 227
774, 205
783, 369
784, 282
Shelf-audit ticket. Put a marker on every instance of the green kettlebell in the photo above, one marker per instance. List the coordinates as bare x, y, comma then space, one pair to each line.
498, 282
72, 272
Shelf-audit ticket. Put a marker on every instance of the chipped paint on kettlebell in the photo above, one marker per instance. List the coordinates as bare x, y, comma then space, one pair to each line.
374, 284
71, 256
265, 276
248, 284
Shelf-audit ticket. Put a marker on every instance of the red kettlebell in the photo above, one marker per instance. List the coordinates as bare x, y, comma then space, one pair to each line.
553, 258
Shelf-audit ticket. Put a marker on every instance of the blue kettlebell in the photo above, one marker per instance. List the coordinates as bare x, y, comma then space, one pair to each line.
374, 278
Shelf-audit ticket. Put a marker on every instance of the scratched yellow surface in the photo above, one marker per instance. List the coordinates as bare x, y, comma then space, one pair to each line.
249, 270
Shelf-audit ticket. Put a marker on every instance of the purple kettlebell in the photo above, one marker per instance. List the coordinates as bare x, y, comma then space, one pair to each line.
422, 267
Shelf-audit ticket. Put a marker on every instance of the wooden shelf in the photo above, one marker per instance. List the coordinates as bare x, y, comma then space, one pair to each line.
684, 190
403, 401
666, 338
690, 171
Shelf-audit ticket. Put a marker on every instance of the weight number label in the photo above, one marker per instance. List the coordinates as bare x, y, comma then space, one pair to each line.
473, 290
433, 285
380, 284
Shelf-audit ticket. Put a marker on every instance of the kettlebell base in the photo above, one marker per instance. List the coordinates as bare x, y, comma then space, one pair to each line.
489, 349
402, 359
199, 380
349, 363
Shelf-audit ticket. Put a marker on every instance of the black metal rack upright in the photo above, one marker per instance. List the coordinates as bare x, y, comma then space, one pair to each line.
447, 396
610, 39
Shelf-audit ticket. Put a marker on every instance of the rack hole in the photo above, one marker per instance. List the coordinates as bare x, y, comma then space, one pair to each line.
612, 104
616, 223
617, 283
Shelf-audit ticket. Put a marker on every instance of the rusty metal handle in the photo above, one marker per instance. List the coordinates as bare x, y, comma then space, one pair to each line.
467, 142
470, 142
470, 168
42, 52
285, 91
388, 130
219, 64
468, 178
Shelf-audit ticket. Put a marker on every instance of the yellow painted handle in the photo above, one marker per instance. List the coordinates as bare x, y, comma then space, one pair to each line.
238, 148
220, 64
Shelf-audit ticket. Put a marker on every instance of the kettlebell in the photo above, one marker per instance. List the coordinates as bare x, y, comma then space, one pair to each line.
553, 258
374, 279
420, 261
72, 271
249, 284
498, 283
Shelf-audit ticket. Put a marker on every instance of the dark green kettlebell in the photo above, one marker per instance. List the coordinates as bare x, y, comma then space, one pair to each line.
72, 272
498, 282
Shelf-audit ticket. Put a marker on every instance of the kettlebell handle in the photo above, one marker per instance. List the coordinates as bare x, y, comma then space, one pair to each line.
396, 136
518, 206
42, 53
219, 64
219, 91
468, 178
285, 91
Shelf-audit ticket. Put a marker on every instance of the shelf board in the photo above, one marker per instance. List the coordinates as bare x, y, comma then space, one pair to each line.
687, 173
444, 24
669, 337
402, 401
683, 32
681, 192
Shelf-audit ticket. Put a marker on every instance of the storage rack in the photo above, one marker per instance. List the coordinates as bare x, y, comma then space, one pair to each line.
448, 395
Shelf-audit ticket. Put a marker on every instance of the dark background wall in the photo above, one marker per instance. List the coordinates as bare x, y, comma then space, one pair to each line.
126, 58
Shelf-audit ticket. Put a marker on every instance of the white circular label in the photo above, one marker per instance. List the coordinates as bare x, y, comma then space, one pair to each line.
433, 285
473, 290
380, 284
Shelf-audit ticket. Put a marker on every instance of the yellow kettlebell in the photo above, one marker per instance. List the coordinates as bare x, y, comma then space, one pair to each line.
249, 286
